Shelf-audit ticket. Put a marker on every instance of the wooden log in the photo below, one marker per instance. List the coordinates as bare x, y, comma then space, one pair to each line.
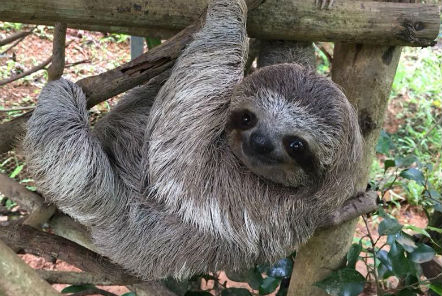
14, 37
33, 241
76, 278
18, 278
349, 21
365, 72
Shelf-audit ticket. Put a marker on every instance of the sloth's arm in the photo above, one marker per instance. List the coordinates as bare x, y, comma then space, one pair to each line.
121, 131
67, 161
189, 112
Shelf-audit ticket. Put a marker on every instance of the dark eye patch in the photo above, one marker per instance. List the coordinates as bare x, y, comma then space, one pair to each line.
299, 150
242, 120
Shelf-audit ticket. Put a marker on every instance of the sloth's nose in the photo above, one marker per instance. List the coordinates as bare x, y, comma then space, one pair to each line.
260, 143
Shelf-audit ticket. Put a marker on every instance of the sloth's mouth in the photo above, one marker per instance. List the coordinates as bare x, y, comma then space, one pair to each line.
266, 159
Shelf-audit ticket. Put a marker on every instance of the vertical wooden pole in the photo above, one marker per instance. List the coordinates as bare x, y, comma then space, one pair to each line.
55, 70
365, 73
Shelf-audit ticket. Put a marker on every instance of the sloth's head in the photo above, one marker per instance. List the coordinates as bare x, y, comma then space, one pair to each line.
292, 126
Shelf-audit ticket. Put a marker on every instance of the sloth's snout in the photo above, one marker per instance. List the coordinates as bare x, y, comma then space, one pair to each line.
260, 144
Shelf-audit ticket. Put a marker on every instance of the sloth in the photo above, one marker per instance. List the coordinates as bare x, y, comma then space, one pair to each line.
209, 171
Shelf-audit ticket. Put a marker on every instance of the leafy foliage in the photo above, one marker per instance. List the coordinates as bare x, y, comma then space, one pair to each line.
344, 282
77, 288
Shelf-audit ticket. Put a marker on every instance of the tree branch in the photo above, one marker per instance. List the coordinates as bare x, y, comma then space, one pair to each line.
17, 109
17, 278
34, 69
55, 70
30, 240
25, 198
16, 36
76, 278
33, 203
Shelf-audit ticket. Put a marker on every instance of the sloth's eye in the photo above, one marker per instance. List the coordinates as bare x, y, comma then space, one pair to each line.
243, 120
246, 118
295, 146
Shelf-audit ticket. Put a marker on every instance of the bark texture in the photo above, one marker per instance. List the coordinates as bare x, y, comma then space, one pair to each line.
32, 241
17, 278
349, 21
55, 70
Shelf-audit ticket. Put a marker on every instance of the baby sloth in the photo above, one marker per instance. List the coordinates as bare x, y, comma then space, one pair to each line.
219, 172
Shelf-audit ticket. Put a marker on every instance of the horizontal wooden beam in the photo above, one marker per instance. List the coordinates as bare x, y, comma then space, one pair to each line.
347, 21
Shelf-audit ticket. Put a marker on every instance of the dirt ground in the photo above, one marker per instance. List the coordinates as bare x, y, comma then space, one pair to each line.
96, 53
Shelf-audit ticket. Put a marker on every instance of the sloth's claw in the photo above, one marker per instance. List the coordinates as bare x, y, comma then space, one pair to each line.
362, 203
324, 4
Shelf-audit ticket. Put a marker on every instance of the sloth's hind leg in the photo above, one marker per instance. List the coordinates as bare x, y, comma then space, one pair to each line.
67, 160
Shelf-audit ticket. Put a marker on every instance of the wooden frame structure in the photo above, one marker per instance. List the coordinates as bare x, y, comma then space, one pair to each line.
366, 55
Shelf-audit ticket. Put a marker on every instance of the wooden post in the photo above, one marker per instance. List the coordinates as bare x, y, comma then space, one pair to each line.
366, 73
55, 70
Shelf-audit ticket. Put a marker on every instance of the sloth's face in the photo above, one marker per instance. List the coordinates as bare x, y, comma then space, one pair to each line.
286, 125
271, 147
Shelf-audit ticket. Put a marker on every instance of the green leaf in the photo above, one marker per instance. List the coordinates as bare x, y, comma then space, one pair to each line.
436, 288
389, 226
406, 241
152, 42
384, 143
382, 255
438, 230
252, 276
235, 292
269, 285
77, 288
407, 292
129, 294
399, 263
417, 229
10, 204
263, 268
413, 174
405, 161
344, 282
383, 271
434, 193
16, 171
381, 212
388, 163
197, 293
353, 255
283, 268
423, 253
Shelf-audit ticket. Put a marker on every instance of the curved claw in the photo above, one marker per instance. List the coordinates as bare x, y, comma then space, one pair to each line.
324, 4
362, 203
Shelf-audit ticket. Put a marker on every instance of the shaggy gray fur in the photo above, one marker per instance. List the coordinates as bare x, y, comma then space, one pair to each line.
282, 51
161, 188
